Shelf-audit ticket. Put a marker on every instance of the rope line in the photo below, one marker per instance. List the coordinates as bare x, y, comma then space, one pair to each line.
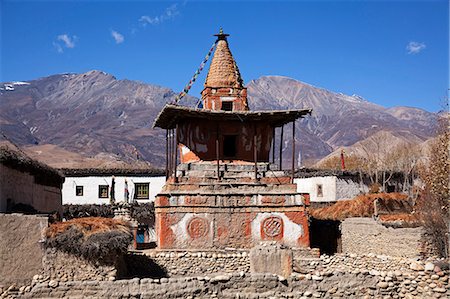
197, 72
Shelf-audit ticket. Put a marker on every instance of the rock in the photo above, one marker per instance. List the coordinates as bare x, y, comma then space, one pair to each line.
53, 283
429, 267
36, 277
398, 273
111, 278
12, 288
307, 294
439, 290
220, 278
316, 277
416, 266
434, 277
281, 278
22, 289
28, 289
382, 284
374, 272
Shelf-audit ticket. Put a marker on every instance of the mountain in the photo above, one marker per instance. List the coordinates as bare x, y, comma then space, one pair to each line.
337, 120
101, 118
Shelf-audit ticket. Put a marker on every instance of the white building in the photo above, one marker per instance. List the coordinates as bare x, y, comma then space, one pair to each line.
93, 186
329, 187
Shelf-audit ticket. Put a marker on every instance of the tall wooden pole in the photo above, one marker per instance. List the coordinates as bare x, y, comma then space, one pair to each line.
273, 145
217, 151
167, 153
176, 154
281, 148
169, 167
255, 152
293, 152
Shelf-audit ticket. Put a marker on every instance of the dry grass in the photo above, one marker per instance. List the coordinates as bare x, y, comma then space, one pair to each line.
361, 206
93, 238
402, 217
88, 226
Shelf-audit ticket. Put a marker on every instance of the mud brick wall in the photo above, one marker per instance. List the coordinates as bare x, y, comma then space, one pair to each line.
365, 235
20, 251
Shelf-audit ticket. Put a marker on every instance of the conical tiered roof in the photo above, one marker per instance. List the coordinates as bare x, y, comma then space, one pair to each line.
223, 71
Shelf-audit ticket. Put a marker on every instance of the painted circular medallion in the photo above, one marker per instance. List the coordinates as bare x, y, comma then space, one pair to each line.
272, 226
198, 227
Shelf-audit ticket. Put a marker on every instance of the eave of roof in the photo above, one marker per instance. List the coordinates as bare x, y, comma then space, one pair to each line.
82, 172
171, 115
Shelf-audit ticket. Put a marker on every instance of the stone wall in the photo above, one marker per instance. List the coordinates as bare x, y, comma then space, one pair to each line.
181, 263
61, 266
339, 276
348, 189
200, 262
20, 251
364, 235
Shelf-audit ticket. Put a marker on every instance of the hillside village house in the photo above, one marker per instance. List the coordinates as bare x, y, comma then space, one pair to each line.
27, 185
95, 186
329, 186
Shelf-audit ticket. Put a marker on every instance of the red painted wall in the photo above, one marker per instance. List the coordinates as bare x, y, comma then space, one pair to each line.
199, 139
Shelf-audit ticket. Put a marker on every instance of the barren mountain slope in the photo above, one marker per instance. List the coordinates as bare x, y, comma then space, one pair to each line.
96, 116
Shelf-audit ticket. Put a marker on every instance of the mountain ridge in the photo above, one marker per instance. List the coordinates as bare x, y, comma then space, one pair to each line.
94, 113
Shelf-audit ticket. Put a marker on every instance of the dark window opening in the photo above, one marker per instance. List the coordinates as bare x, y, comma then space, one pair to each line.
229, 146
79, 191
103, 191
227, 105
319, 190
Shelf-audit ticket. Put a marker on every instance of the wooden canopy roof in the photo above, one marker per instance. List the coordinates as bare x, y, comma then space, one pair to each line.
171, 115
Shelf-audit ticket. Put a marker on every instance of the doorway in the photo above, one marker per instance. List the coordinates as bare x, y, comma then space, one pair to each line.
229, 146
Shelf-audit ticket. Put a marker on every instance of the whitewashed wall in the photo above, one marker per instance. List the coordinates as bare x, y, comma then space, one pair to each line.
309, 185
90, 188
333, 188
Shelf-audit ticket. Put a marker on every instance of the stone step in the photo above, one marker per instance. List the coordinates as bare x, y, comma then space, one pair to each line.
254, 188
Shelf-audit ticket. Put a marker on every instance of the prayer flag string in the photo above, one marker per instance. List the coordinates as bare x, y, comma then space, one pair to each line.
197, 72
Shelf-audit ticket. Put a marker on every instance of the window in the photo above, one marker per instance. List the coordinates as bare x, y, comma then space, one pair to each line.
229, 146
78, 190
141, 190
319, 190
103, 191
227, 105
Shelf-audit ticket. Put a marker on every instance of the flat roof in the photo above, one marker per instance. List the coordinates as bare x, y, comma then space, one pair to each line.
171, 115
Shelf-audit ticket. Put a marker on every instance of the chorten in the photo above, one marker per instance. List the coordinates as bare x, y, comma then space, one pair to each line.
224, 88
225, 192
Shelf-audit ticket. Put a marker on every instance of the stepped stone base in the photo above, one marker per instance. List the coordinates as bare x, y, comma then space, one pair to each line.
200, 212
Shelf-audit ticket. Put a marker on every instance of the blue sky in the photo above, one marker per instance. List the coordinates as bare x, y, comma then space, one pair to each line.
391, 53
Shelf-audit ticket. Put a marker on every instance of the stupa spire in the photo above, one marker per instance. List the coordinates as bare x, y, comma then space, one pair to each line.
224, 81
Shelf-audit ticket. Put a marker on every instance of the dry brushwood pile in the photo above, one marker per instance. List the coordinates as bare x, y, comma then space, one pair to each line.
142, 212
92, 210
363, 206
93, 238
